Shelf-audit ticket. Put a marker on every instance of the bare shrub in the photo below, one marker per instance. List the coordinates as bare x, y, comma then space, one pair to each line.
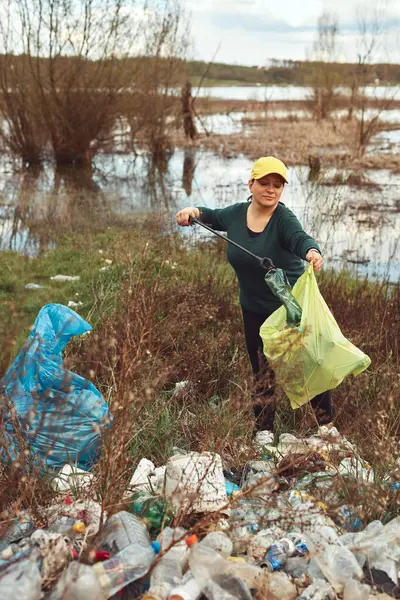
70, 71
372, 28
325, 78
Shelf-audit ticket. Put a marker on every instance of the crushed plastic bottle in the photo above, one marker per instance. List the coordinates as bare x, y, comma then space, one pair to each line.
218, 541
227, 587
78, 582
187, 589
211, 572
21, 579
121, 530
336, 561
18, 529
130, 564
318, 590
379, 545
67, 526
167, 572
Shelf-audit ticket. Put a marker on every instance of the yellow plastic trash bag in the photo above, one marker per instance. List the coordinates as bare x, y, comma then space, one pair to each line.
314, 357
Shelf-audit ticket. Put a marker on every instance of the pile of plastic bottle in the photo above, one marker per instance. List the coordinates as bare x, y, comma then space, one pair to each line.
262, 542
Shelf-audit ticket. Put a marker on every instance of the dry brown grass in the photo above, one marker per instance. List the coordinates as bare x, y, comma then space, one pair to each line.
175, 321
294, 140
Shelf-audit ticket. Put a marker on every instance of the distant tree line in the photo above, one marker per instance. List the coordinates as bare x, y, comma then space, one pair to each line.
292, 72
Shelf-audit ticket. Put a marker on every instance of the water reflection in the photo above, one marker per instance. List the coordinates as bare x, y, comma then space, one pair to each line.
356, 226
189, 167
241, 122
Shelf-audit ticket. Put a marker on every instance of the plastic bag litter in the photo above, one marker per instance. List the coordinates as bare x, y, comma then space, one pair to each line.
61, 413
280, 286
314, 357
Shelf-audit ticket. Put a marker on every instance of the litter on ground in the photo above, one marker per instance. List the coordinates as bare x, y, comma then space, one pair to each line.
192, 529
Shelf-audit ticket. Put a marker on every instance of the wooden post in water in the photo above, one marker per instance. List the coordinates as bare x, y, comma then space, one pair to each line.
189, 125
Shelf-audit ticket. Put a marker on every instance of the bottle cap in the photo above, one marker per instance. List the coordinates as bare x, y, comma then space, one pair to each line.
156, 547
79, 527
191, 540
74, 554
101, 555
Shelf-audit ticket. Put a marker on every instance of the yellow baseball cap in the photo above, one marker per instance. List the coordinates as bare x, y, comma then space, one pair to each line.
267, 165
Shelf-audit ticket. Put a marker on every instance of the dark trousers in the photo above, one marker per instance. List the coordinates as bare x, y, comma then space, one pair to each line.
264, 388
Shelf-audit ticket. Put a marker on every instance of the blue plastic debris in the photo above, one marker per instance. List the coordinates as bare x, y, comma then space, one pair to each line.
231, 487
59, 413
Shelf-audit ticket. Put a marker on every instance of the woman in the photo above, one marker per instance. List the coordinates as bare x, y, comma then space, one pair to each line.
266, 227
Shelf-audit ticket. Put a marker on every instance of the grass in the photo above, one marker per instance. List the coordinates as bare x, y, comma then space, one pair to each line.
158, 319
96, 290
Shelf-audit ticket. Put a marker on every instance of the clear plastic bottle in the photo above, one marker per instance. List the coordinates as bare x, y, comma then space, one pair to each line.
130, 564
211, 573
218, 541
67, 526
121, 530
167, 573
188, 589
78, 582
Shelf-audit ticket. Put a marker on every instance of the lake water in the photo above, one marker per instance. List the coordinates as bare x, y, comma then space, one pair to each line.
285, 92
356, 227
240, 122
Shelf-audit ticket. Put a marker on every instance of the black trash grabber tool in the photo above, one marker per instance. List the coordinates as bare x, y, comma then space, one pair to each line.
275, 278
266, 263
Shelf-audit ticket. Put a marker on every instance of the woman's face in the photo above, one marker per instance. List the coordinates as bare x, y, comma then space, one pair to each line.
267, 191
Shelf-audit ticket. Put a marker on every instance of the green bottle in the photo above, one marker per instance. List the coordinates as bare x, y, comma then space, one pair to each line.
152, 509
280, 287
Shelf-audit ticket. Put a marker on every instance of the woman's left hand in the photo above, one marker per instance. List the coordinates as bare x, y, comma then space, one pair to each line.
314, 257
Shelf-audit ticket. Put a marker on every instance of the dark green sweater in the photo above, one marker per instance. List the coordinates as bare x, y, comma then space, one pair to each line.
283, 240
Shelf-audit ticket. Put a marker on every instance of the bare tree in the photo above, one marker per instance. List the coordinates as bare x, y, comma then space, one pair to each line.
158, 109
71, 69
372, 31
325, 77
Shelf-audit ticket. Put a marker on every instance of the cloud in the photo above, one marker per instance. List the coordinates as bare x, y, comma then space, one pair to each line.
250, 32
262, 24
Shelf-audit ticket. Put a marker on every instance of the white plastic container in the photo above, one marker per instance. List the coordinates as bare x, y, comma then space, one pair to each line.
195, 482
140, 478
70, 477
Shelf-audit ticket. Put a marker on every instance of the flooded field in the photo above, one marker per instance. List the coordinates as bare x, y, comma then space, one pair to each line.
357, 227
241, 122
286, 92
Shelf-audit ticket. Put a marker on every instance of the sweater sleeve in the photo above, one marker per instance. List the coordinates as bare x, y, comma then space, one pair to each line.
294, 237
217, 218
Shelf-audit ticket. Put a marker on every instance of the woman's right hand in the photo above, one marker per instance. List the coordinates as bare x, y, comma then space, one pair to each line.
183, 216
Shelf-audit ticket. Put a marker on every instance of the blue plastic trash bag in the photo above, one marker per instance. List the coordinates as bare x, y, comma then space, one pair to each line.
61, 413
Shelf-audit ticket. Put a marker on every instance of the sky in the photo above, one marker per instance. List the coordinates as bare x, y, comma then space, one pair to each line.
251, 32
